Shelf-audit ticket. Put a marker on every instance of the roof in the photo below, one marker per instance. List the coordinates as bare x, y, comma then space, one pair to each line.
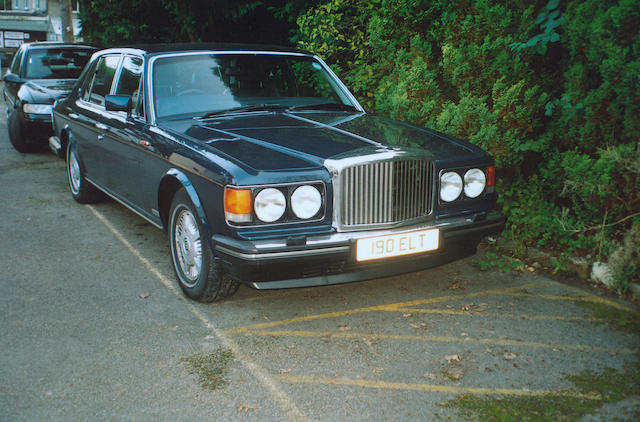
180, 47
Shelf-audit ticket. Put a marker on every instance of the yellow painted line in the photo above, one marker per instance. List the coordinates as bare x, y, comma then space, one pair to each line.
586, 298
434, 388
439, 339
388, 307
474, 314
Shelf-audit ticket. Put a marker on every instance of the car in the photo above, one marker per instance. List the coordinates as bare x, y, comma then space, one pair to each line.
40, 73
266, 171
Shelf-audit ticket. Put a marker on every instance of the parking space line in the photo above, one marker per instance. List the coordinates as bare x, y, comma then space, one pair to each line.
269, 382
434, 388
452, 312
387, 307
586, 298
439, 339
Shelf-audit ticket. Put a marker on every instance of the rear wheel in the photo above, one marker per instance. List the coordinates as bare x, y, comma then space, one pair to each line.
81, 190
198, 272
16, 134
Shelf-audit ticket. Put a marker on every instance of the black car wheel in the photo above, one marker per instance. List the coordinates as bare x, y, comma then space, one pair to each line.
198, 272
16, 135
81, 190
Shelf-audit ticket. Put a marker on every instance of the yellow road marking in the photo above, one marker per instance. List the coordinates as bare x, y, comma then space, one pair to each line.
388, 307
435, 388
497, 314
587, 298
439, 339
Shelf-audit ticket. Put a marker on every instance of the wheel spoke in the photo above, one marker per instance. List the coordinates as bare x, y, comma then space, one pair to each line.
188, 245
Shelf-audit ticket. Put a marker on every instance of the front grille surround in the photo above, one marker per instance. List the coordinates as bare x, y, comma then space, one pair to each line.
384, 193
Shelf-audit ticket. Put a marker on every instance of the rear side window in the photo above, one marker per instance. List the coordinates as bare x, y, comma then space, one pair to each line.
102, 79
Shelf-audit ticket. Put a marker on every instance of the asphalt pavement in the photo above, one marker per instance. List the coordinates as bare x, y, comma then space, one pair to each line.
94, 328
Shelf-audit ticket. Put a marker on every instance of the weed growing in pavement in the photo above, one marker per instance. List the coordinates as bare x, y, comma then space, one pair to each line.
211, 368
606, 386
618, 319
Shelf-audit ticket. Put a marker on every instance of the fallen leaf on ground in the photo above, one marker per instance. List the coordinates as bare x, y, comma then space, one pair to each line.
285, 370
345, 328
244, 408
144, 295
452, 358
509, 356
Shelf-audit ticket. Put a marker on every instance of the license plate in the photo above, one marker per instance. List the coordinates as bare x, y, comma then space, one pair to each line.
399, 244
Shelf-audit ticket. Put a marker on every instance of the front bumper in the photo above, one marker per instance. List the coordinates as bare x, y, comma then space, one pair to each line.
36, 127
330, 258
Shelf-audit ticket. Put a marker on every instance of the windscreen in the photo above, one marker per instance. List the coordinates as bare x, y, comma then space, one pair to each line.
202, 83
56, 63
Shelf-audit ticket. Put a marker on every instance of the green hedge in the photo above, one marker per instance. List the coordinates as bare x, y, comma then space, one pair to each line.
551, 89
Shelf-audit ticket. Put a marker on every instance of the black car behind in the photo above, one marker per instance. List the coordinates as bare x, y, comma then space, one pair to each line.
40, 73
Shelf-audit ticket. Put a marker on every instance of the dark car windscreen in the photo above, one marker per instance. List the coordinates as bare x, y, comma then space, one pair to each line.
56, 63
202, 83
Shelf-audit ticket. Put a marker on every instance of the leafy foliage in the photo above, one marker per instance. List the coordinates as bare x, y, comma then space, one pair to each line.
549, 88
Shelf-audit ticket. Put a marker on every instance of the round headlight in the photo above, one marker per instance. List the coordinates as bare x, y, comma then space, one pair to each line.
306, 202
474, 182
269, 205
450, 186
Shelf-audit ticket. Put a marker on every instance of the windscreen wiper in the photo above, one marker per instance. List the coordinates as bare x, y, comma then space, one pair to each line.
244, 109
324, 106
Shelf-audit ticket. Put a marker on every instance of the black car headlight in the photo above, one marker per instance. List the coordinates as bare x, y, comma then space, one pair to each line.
450, 186
29, 108
474, 183
269, 205
306, 201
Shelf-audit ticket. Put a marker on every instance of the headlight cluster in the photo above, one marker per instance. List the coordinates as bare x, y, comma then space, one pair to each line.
274, 204
37, 108
472, 182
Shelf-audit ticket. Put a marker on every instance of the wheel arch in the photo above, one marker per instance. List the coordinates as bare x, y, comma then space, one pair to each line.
172, 182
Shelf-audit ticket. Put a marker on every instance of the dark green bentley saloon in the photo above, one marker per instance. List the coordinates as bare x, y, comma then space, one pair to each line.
265, 170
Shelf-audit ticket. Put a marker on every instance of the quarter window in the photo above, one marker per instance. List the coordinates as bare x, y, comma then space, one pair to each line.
129, 82
103, 78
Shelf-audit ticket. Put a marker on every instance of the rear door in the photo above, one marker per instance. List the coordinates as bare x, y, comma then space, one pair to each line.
90, 130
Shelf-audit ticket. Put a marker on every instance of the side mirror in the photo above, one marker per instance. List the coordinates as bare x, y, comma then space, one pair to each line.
12, 78
118, 103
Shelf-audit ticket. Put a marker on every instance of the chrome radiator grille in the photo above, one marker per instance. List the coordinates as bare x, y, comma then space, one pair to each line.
385, 192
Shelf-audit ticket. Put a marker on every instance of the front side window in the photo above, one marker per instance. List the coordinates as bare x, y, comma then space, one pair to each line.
202, 83
129, 82
102, 79
56, 63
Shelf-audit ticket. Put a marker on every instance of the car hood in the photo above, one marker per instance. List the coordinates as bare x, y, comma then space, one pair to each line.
52, 89
286, 140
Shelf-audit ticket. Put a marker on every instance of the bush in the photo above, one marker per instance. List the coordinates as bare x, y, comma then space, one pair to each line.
549, 88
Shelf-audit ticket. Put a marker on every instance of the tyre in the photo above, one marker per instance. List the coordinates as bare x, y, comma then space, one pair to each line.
198, 272
16, 134
81, 190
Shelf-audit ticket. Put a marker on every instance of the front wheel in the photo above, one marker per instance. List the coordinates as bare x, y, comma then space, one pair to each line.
16, 134
198, 273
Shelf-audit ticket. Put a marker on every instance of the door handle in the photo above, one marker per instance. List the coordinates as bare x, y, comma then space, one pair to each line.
102, 126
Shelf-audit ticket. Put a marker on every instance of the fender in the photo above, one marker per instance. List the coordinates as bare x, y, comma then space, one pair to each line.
193, 196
